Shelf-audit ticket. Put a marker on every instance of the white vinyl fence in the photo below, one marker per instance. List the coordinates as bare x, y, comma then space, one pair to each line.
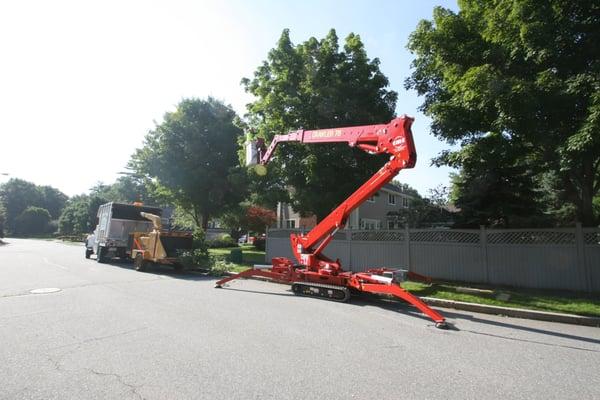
566, 258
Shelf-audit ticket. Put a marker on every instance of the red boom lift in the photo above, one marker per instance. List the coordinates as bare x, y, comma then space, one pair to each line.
316, 275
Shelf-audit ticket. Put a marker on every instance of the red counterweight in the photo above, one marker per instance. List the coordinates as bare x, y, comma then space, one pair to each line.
315, 274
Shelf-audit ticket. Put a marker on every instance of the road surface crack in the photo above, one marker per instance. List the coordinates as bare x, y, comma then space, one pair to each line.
95, 339
133, 388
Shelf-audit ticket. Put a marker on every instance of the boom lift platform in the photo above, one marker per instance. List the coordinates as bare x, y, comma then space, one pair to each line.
315, 274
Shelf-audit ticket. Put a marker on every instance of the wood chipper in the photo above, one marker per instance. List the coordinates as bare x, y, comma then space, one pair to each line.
157, 246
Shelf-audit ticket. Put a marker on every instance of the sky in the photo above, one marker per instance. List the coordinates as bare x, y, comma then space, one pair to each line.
82, 82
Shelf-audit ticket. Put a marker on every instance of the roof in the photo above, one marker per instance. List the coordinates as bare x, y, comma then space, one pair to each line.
388, 187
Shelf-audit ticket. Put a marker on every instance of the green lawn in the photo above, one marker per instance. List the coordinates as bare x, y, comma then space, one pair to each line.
544, 300
250, 256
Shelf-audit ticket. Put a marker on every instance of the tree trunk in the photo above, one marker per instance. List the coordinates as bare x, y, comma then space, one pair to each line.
586, 212
586, 209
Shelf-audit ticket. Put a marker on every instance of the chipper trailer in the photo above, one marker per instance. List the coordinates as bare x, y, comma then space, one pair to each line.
315, 274
157, 246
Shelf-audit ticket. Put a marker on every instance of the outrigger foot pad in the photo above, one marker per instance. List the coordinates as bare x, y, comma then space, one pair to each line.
441, 325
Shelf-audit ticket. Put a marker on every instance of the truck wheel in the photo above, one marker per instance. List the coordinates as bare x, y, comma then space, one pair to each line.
88, 253
101, 257
139, 263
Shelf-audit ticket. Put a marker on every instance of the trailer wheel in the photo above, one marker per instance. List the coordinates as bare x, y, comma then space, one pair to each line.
101, 257
139, 263
88, 253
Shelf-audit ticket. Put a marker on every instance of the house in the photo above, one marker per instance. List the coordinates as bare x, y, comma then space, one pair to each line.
374, 213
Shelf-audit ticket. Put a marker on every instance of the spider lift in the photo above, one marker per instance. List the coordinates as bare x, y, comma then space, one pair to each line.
315, 274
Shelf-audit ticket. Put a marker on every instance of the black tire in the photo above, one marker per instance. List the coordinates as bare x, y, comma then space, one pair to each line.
139, 264
101, 256
88, 253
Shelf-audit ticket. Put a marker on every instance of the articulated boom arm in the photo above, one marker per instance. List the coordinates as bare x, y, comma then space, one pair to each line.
394, 138
316, 275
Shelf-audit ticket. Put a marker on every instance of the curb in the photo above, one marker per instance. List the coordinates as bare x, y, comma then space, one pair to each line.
506, 311
514, 312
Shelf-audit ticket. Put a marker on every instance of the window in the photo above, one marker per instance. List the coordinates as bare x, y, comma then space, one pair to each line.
391, 199
367, 223
391, 225
405, 202
290, 223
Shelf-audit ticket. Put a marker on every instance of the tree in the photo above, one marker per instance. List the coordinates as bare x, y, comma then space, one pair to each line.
259, 218
80, 215
16, 195
52, 200
127, 189
2, 220
316, 85
525, 70
248, 217
192, 158
32, 221
495, 186
423, 212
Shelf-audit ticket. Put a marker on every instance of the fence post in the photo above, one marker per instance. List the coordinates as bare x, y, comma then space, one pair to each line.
266, 243
349, 244
581, 264
407, 247
484, 252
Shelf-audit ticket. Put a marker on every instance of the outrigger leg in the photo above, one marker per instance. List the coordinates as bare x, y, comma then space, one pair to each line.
397, 291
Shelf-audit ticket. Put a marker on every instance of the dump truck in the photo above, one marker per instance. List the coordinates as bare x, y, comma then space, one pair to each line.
115, 222
134, 232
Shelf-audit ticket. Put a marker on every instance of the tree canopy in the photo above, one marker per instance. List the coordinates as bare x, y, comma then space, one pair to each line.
191, 158
312, 85
127, 189
80, 214
523, 74
17, 195
32, 221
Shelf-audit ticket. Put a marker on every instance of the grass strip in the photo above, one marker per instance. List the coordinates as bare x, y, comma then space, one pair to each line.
543, 300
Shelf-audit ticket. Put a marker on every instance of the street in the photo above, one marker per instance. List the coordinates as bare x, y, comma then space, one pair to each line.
114, 333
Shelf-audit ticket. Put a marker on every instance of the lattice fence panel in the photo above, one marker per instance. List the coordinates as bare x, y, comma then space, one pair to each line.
592, 238
275, 233
379, 236
531, 237
285, 233
444, 237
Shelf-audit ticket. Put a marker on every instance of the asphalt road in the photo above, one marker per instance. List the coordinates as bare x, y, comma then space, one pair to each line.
114, 333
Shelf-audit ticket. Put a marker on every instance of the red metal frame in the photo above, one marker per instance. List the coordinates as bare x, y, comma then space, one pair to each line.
395, 139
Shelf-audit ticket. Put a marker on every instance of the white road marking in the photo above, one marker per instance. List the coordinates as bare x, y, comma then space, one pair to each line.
45, 290
54, 264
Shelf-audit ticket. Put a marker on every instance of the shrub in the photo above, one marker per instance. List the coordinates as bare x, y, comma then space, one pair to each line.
194, 259
260, 243
220, 267
222, 241
33, 221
